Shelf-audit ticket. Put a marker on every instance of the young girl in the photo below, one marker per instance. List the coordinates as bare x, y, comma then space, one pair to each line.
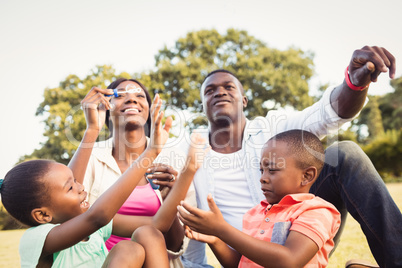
67, 232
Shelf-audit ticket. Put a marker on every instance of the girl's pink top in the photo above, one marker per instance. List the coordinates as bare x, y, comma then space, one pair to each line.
143, 201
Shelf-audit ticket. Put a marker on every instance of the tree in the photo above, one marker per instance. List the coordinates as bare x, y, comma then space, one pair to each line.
64, 120
382, 113
266, 73
372, 118
391, 106
385, 151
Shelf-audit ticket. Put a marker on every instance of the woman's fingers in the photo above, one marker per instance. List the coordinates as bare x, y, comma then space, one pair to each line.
95, 98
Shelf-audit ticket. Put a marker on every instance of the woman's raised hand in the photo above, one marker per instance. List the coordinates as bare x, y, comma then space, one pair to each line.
159, 134
94, 105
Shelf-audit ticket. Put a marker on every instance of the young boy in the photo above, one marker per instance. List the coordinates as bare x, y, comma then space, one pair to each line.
291, 228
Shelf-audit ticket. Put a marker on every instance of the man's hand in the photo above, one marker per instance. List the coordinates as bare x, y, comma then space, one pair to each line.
367, 64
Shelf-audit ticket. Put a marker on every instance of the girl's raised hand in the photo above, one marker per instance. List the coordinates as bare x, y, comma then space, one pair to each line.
94, 105
159, 134
197, 151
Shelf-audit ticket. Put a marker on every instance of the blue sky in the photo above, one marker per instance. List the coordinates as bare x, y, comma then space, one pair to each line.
44, 41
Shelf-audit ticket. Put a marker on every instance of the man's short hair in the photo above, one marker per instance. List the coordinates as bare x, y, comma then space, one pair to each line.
224, 71
219, 71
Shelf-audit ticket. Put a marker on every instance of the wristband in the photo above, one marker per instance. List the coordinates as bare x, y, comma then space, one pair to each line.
350, 85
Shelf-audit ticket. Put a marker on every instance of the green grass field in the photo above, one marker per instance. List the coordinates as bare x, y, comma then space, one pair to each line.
353, 244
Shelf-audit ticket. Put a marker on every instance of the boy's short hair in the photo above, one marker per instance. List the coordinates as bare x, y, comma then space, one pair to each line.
304, 146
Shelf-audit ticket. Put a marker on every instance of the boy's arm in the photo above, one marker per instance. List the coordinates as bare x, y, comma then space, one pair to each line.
226, 256
296, 252
94, 106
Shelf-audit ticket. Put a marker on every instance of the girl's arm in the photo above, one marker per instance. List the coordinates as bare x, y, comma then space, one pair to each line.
94, 106
297, 251
125, 225
105, 207
167, 213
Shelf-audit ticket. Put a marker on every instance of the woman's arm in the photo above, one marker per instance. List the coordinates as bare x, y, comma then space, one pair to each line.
94, 106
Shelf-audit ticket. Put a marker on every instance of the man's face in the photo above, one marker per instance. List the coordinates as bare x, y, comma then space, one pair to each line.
223, 99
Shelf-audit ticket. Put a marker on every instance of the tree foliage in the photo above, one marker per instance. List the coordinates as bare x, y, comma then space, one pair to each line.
383, 113
266, 73
385, 151
391, 106
64, 120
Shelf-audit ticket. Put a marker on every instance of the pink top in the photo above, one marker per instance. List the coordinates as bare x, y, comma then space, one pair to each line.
303, 213
143, 201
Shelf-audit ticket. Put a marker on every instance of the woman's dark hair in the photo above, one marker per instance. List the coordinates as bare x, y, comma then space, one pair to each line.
114, 85
22, 190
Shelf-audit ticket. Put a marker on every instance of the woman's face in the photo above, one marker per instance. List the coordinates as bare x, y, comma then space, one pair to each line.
130, 108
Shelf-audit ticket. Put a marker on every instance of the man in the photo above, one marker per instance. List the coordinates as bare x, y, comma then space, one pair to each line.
349, 180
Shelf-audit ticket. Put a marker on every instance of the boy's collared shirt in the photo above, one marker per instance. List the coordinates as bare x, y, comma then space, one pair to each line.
304, 213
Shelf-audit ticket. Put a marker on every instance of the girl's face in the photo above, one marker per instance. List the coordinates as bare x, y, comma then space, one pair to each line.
130, 108
67, 196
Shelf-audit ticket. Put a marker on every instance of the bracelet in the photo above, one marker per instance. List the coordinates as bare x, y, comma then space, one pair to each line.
350, 85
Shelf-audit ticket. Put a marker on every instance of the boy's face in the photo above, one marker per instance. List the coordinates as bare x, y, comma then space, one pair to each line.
67, 196
279, 173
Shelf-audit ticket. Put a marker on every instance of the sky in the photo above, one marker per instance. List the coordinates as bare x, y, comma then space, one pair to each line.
42, 42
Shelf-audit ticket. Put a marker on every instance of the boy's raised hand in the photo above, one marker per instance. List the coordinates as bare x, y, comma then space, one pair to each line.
205, 222
159, 134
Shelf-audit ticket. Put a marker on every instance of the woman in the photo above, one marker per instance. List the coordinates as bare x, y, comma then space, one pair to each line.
100, 164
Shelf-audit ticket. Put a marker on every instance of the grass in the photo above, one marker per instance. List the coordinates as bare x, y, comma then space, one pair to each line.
353, 244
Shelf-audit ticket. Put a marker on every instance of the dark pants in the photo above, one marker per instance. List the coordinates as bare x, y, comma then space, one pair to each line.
350, 182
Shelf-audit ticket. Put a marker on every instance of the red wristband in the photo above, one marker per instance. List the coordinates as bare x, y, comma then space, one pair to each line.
350, 85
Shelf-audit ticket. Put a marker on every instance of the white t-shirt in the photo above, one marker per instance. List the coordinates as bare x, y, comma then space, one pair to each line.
230, 185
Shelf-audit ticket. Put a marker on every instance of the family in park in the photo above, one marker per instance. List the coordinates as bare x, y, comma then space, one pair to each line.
260, 192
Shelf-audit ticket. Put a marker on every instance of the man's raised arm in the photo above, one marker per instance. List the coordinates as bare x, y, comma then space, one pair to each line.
364, 67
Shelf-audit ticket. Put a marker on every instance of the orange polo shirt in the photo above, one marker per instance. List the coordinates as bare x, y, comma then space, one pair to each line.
304, 213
